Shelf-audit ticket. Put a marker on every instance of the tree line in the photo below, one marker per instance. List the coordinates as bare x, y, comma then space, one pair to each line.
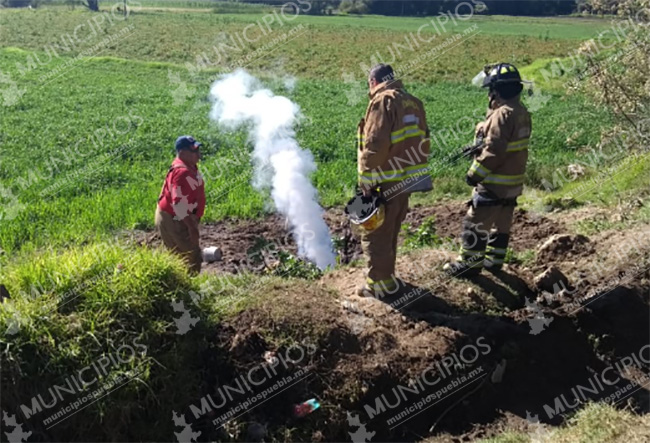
422, 7
434, 7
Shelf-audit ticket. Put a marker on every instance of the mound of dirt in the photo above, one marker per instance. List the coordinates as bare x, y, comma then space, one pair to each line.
528, 231
563, 247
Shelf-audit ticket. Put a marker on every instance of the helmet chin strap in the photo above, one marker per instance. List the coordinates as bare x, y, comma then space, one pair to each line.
495, 99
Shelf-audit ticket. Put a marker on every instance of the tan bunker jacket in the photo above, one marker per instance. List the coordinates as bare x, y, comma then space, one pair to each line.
393, 142
501, 165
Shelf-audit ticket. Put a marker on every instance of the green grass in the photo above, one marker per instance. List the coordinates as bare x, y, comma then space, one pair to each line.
558, 28
571, 28
131, 103
126, 92
524, 258
424, 236
596, 423
116, 190
70, 309
610, 183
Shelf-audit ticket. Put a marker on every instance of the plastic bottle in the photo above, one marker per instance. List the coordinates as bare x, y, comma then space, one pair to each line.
306, 408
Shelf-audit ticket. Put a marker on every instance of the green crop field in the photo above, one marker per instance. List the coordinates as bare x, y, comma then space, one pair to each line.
88, 143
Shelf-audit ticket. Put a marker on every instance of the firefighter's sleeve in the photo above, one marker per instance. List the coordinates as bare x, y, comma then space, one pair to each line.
377, 135
493, 153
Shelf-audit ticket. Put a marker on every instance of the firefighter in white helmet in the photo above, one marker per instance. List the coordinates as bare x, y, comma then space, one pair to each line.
497, 174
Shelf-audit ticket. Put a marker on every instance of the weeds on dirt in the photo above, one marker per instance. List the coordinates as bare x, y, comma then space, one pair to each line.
280, 263
288, 265
523, 258
625, 218
424, 236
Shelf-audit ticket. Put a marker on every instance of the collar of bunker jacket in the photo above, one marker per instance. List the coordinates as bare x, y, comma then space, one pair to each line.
385, 86
513, 102
393, 142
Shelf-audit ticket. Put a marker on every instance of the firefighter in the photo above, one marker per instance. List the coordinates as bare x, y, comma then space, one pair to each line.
182, 202
393, 148
497, 174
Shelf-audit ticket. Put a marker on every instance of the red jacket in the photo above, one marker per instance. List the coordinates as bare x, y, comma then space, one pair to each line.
183, 192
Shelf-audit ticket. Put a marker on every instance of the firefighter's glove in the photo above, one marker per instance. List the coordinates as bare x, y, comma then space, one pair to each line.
470, 181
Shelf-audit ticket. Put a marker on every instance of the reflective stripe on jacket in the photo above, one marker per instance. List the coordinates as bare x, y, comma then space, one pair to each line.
393, 145
501, 166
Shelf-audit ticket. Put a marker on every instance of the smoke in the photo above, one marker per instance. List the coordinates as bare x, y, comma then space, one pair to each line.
289, 83
281, 165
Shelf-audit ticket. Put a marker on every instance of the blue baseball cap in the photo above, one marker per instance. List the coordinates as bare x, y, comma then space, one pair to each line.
187, 142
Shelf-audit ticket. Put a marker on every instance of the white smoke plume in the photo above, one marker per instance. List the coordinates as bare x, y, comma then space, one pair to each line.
281, 164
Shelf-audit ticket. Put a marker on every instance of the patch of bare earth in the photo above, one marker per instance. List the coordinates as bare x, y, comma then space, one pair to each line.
241, 240
447, 359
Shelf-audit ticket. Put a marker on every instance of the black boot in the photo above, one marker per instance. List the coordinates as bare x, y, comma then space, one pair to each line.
496, 251
472, 253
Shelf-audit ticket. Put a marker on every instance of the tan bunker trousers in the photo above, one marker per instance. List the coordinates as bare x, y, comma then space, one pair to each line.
486, 218
176, 236
380, 246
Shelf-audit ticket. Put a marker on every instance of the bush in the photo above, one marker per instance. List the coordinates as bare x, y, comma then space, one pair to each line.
291, 266
16, 3
354, 7
621, 81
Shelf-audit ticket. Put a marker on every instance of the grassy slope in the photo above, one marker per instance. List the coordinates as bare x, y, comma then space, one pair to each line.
69, 309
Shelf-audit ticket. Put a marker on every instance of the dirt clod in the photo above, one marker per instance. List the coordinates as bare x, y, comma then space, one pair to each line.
575, 170
562, 247
247, 343
552, 280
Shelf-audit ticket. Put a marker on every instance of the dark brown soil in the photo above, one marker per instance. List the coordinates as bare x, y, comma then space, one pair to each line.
239, 240
527, 231
564, 248
350, 367
364, 349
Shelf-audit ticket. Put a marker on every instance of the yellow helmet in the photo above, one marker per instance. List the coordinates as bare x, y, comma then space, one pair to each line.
366, 214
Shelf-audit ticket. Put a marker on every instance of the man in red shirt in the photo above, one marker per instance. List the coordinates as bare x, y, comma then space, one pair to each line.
182, 202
